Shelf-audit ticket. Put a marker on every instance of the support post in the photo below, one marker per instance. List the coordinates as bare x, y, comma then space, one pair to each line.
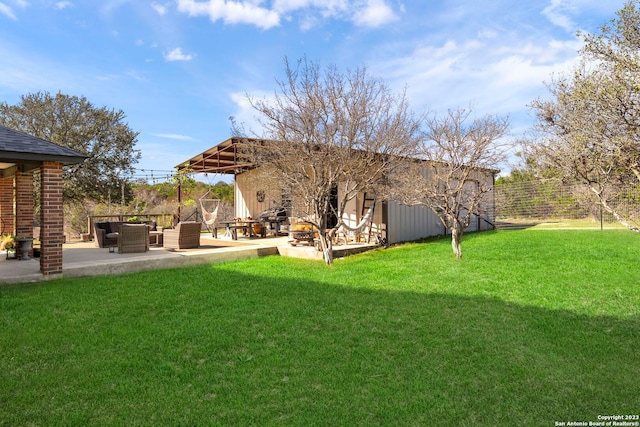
51, 219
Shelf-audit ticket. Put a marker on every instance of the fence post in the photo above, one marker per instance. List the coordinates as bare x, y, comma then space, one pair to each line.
601, 218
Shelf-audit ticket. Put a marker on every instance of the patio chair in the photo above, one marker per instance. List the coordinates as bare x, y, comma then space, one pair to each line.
133, 238
186, 235
106, 234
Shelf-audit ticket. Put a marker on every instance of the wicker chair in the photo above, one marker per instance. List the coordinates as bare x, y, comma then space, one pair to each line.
106, 234
133, 238
186, 235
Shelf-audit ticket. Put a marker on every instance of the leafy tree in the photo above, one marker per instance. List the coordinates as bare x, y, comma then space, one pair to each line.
590, 128
99, 133
223, 191
330, 134
458, 151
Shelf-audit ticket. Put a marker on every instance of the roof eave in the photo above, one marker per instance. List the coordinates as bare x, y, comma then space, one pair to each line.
16, 157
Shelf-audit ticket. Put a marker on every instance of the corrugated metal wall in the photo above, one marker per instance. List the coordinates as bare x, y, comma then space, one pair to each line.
247, 186
406, 223
487, 208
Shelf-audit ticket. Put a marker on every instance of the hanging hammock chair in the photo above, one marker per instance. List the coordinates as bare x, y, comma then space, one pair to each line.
209, 217
366, 219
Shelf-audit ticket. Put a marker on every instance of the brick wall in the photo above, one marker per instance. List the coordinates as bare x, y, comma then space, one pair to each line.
6, 205
24, 204
51, 219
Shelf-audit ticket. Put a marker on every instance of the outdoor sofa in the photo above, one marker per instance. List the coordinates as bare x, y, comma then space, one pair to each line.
106, 233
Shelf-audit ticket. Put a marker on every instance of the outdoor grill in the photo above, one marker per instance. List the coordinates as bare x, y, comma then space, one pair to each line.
274, 217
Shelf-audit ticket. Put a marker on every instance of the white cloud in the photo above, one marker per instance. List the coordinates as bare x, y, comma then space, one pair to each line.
231, 12
368, 13
497, 79
245, 115
23, 72
7, 11
109, 6
374, 13
308, 22
313, 12
177, 55
63, 5
558, 13
173, 136
487, 34
327, 7
161, 9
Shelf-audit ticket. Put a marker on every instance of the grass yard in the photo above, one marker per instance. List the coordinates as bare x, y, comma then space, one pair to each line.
563, 223
531, 328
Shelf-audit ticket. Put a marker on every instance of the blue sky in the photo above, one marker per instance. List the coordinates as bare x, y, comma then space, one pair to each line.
180, 68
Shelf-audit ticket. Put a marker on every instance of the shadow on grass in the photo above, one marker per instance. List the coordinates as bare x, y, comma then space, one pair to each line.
226, 348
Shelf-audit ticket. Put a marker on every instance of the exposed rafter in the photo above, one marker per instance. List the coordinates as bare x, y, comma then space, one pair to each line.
223, 158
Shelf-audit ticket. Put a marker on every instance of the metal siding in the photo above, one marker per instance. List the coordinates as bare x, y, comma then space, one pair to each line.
246, 202
408, 223
471, 187
489, 206
240, 207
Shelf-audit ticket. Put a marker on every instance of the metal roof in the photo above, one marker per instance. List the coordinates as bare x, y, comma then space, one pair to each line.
223, 158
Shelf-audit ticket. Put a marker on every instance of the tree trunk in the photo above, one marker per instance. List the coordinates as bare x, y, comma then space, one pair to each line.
613, 212
619, 218
327, 248
456, 241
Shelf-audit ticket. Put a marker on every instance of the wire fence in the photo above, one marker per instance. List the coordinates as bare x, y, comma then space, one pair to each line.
538, 201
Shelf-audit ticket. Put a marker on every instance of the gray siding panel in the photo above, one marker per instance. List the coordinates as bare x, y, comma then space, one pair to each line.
408, 223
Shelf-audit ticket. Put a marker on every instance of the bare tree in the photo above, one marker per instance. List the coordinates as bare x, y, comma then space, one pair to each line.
590, 128
451, 179
329, 136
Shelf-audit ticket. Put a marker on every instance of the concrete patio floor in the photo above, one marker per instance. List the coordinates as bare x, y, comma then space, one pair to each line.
82, 259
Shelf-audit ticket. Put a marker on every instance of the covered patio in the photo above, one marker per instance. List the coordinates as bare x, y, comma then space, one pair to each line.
21, 157
83, 259
260, 197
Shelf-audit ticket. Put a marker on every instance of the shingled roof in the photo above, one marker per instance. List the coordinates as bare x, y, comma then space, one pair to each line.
17, 147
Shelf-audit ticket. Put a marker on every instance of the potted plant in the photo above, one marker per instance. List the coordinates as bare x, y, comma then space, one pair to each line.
8, 243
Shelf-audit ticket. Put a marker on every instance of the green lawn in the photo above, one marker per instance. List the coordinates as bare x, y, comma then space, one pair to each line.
532, 327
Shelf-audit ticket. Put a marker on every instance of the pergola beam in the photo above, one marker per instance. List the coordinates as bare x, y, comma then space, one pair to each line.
223, 158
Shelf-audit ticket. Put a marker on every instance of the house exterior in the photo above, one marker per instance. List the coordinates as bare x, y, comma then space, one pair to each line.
21, 156
255, 192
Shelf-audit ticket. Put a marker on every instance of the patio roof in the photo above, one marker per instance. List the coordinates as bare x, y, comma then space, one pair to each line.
19, 148
222, 158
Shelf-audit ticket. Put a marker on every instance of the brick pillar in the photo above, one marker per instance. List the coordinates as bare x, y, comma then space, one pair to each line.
51, 219
6, 205
24, 204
